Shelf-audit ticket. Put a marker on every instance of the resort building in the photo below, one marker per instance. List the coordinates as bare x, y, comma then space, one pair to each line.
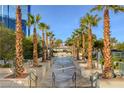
8, 17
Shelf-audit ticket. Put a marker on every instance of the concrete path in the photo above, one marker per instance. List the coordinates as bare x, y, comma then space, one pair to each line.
64, 68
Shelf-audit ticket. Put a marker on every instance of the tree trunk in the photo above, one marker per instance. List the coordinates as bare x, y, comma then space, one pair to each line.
83, 45
52, 43
75, 49
78, 48
107, 72
19, 69
89, 48
50, 49
46, 46
43, 47
35, 50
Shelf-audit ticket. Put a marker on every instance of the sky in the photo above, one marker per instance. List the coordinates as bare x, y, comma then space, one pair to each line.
63, 19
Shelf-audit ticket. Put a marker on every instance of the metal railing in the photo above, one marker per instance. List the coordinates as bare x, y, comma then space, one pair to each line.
53, 79
94, 80
33, 79
74, 78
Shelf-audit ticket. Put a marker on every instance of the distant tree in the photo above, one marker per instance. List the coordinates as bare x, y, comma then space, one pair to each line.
114, 42
58, 42
120, 46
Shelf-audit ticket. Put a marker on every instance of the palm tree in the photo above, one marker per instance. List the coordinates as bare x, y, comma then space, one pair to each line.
34, 20
50, 43
107, 73
83, 28
47, 34
89, 21
42, 27
74, 36
19, 69
78, 39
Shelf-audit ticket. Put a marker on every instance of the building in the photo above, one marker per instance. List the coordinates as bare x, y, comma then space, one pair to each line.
8, 17
118, 53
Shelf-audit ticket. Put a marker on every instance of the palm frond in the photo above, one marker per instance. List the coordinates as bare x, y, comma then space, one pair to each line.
97, 8
38, 18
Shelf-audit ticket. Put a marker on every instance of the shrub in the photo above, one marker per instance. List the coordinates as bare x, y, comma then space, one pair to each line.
6, 66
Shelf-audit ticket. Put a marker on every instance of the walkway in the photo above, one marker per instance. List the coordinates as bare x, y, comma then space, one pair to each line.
64, 69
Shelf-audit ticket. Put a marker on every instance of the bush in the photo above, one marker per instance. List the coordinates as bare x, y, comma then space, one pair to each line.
6, 66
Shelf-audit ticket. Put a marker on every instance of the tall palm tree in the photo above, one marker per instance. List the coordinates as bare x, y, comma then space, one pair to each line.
83, 28
89, 22
107, 73
50, 44
34, 20
42, 27
78, 39
47, 34
19, 69
74, 36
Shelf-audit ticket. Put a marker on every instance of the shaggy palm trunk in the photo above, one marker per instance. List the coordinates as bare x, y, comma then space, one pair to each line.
75, 49
46, 46
35, 52
19, 69
50, 48
107, 72
78, 48
83, 45
43, 47
89, 48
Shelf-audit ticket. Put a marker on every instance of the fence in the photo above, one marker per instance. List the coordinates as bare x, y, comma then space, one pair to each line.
121, 68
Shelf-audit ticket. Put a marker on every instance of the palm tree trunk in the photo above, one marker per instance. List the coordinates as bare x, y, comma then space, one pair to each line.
43, 47
19, 69
107, 72
35, 52
46, 46
78, 48
50, 48
75, 50
89, 48
83, 45
52, 43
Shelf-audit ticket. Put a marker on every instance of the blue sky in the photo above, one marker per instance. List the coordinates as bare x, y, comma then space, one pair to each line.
64, 19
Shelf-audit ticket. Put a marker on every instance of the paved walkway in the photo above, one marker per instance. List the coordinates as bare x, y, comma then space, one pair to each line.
64, 68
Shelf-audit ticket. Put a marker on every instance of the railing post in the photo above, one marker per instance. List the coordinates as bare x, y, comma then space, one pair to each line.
30, 80
53, 79
36, 81
74, 79
91, 79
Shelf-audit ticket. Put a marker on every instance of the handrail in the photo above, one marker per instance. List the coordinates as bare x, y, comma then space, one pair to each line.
31, 78
94, 79
74, 78
53, 79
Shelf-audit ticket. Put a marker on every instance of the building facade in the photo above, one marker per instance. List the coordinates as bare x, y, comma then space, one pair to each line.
8, 17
